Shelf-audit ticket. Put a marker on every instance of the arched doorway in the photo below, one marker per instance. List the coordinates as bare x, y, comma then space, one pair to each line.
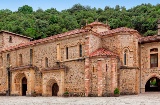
152, 85
24, 86
55, 89
52, 88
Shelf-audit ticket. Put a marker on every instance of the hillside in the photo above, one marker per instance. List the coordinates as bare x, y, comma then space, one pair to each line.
43, 23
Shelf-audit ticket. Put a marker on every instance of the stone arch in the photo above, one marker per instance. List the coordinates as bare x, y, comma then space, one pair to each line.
49, 87
125, 56
155, 76
150, 76
18, 82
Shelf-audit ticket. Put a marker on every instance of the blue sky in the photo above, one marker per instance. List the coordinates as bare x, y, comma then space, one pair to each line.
65, 4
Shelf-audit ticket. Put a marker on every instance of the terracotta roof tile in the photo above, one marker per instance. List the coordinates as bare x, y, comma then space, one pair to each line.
117, 30
149, 39
15, 34
96, 23
102, 52
45, 39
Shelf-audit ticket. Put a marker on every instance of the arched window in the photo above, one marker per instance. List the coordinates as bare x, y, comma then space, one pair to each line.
125, 57
154, 57
46, 62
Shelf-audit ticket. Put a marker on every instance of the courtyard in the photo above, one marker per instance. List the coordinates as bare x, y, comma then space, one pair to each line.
141, 99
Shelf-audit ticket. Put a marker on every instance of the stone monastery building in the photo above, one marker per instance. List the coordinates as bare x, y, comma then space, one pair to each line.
93, 60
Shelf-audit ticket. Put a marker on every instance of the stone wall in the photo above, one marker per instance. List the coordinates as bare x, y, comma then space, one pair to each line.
75, 64
119, 43
94, 43
148, 72
103, 76
129, 81
15, 40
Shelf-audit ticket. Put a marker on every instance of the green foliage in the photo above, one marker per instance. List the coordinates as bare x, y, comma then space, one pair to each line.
39, 24
116, 91
66, 92
25, 9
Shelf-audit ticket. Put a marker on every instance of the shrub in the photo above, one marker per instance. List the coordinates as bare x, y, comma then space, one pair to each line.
116, 91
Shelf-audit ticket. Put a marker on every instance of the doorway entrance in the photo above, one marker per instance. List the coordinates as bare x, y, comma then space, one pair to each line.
152, 85
24, 86
55, 89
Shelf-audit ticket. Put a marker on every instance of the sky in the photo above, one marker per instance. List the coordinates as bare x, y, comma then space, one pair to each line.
65, 4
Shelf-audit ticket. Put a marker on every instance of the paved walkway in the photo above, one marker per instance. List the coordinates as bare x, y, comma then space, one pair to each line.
141, 99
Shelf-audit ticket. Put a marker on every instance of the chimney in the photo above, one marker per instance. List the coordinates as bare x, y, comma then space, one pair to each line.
158, 23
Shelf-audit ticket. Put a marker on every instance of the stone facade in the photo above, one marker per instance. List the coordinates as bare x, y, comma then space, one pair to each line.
93, 60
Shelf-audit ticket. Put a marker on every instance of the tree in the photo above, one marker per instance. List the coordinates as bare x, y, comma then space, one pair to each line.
25, 9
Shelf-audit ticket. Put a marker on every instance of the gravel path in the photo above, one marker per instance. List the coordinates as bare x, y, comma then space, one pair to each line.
141, 99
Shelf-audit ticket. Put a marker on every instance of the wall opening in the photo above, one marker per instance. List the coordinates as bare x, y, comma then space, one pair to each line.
24, 86
55, 89
152, 85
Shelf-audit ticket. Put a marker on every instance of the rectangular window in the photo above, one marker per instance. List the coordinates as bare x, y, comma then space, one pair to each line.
31, 56
80, 50
58, 52
8, 59
20, 59
125, 59
154, 60
46, 62
66, 52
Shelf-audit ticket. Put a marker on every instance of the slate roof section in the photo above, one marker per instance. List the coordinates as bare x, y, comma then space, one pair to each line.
102, 52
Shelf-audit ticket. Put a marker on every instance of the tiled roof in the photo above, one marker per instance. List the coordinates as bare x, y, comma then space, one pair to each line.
96, 23
15, 34
77, 31
102, 52
117, 30
149, 39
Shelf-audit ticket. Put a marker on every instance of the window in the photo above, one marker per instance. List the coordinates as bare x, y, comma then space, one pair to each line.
46, 62
20, 59
154, 57
80, 50
31, 56
93, 69
58, 52
8, 59
154, 60
10, 39
66, 52
106, 67
125, 58
154, 50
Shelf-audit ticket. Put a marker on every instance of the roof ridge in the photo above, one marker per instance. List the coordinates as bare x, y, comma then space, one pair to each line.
76, 31
102, 52
15, 34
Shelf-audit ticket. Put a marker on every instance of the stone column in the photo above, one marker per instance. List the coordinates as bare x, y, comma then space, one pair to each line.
99, 72
113, 75
87, 77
